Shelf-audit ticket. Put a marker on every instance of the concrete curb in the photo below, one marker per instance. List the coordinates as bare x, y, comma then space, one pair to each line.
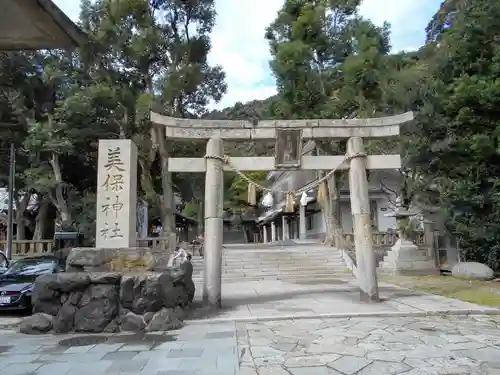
381, 314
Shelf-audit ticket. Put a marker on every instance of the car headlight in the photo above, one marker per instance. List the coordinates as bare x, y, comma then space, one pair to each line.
27, 289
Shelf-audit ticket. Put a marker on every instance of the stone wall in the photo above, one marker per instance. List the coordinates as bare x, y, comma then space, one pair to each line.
110, 301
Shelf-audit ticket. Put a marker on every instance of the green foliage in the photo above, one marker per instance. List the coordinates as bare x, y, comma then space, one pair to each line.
191, 210
461, 155
236, 196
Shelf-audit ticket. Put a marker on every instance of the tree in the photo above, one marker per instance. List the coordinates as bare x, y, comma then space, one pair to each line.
460, 158
154, 54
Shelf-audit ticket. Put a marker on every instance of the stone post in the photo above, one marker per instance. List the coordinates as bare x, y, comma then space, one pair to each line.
264, 234
360, 208
116, 194
284, 225
302, 222
429, 241
273, 231
214, 198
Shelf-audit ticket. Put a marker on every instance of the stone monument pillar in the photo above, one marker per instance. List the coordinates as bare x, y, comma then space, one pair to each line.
361, 214
116, 194
273, 231
264, 234
214, 199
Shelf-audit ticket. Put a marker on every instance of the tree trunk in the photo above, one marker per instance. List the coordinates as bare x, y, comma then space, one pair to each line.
20, 220
201, 216
60, 200
326, 208
334, 185
167, 201
41, 220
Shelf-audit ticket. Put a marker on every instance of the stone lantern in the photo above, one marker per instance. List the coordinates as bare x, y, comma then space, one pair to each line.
405, 257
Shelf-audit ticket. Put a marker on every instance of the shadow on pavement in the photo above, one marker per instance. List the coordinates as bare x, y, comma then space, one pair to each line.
198, 310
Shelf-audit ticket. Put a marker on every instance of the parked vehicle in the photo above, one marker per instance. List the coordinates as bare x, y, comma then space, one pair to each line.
16, 283
4, 262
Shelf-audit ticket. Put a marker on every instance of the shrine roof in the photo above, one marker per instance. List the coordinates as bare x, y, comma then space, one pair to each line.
36, 24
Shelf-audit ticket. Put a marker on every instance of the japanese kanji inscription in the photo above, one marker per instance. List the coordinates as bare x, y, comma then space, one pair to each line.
116, 194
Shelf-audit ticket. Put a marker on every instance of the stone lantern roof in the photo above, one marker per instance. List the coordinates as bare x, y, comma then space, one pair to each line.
36, 24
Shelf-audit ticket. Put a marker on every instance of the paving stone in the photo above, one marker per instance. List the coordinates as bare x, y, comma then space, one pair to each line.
18, 358
320, 370
349, 365
105, 348
28, 349
386, 355
78, 349
120, 366
283, 347
155, 365
219, 335
384, 368
91, 368
337, 349
225, 362
185, 353
136, 348
310, 361
431, 352
20, 368
260, 341
205, 364
118, 356
490, 355
169, 346
273, 370
264, 351
177, 372
269, 361
248, 370
54, 369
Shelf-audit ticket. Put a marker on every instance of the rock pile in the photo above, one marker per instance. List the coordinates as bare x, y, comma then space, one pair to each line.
110, 301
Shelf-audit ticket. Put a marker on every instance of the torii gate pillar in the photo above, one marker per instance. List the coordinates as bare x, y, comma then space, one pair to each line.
214, 200
361, 218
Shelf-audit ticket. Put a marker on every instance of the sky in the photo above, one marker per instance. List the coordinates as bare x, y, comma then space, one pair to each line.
238, 42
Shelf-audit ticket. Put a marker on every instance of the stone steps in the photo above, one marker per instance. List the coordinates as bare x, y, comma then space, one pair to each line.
326, 278
287, 264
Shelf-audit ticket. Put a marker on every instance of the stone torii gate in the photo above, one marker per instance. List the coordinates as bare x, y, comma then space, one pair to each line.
289, 135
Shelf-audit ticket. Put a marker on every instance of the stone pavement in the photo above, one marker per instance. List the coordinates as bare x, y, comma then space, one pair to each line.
193, 350
371, 346
275, 299
453, 345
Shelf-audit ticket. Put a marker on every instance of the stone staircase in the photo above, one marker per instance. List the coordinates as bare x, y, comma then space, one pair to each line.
299, 262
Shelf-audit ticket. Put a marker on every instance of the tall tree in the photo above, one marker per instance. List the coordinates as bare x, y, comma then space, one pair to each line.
154, 53
461, 158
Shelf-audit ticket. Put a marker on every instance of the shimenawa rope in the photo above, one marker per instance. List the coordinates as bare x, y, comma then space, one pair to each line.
311, 185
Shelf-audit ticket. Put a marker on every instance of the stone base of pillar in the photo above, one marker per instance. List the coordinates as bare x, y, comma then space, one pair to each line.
405, 258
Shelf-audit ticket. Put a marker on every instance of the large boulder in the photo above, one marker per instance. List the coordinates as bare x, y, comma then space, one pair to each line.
165, 320
110, 301
97, 308
140, 293
36, 324
116, 260
472, 271
133, 322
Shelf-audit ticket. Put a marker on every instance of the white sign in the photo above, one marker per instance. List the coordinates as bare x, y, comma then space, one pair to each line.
116, 194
